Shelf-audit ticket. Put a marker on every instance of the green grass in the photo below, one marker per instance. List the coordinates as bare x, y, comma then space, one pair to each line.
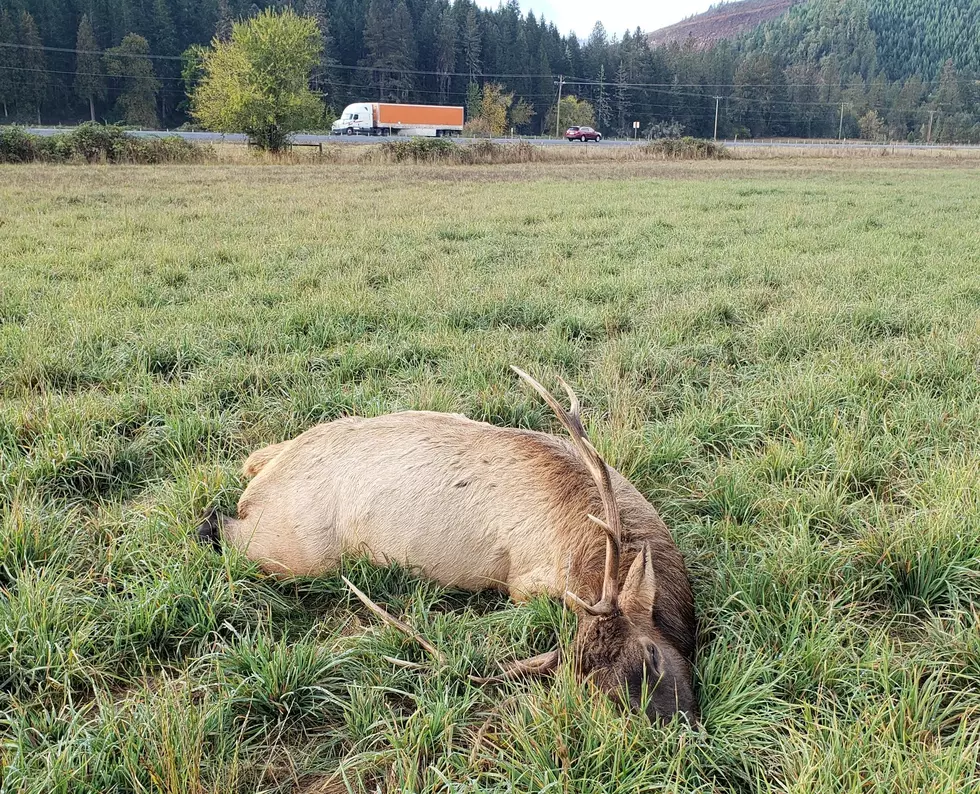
782, 356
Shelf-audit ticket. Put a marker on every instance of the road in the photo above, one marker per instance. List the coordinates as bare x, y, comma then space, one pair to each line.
217, 137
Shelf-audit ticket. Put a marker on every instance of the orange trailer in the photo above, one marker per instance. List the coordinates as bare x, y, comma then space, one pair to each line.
388, 118
440, 116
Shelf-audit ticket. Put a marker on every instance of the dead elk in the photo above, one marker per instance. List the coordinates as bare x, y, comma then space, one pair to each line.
476, 506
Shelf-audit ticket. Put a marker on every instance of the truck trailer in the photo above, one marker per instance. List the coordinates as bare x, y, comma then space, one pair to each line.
385, 118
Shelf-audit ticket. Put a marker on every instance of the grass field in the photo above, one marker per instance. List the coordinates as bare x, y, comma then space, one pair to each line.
783, 356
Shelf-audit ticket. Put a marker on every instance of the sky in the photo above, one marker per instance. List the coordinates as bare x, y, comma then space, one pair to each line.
618, 16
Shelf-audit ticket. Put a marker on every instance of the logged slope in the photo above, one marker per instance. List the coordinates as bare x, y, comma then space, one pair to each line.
724, 21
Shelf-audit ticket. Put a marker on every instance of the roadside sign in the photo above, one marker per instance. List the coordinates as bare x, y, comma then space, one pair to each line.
636, 125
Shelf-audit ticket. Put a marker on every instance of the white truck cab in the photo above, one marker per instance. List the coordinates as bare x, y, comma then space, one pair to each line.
355, 119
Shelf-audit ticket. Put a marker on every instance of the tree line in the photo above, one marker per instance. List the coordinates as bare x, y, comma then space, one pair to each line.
826, 68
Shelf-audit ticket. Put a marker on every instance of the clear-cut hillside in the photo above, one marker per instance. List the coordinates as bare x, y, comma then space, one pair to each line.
724, 21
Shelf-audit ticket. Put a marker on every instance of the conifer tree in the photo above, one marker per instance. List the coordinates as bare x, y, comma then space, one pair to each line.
130, 63
472, 44
445, 49
8, 84
622, 100
390, 44
89, 83
324, 74
601, 96
34, 83
223, 28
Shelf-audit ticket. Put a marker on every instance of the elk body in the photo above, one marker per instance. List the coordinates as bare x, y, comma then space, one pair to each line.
476, 506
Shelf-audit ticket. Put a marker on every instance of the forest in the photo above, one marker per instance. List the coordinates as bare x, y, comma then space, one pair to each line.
878, 69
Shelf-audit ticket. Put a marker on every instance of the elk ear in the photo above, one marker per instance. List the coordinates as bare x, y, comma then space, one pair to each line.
640, 588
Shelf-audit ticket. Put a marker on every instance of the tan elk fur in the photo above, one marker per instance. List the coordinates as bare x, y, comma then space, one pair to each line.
466, 503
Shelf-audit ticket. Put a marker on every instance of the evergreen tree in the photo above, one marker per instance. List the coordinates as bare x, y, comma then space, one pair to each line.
8, 84
473, 101
324, 74
89, 82
445, 50
472, 44
545, 82
223, 28
622, 100
760, 88
34, 83
163, 41
951, 125
136, 104
601, 97
390, 45
594, 52
903, 116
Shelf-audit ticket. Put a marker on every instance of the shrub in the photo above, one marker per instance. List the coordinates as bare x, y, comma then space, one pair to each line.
489, 153
476, 128
420, 150
686, 149
97, 143
17, 146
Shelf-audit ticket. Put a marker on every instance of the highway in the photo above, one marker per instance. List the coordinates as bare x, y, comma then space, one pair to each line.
353, 140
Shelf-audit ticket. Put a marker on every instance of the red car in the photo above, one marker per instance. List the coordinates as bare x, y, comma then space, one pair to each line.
582, 134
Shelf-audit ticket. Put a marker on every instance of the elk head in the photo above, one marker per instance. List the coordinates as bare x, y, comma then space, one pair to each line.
618, 647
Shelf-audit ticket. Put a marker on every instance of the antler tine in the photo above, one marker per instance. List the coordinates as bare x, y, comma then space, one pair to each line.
393, 621
539, 665
609, 602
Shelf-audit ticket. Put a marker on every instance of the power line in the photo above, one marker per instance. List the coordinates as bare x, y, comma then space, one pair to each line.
634, 103
568, 80
92, 74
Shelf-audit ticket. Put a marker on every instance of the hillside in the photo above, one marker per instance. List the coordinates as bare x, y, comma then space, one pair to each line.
908, 37
724, 21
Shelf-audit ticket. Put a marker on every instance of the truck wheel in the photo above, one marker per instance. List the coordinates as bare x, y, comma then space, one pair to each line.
350, 130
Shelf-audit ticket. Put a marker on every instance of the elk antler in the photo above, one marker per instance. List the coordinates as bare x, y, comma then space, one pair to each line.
539, 665
392, 620
608, 604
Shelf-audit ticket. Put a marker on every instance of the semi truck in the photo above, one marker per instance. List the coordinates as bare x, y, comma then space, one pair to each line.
385, 118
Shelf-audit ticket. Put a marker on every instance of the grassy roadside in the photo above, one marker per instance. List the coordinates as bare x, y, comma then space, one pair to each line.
782, 356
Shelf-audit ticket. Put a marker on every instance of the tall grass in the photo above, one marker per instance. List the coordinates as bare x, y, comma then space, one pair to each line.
783, 359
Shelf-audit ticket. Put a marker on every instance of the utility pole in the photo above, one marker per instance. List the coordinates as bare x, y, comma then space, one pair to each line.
560, 83
717, 100
929, 132
840, 130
